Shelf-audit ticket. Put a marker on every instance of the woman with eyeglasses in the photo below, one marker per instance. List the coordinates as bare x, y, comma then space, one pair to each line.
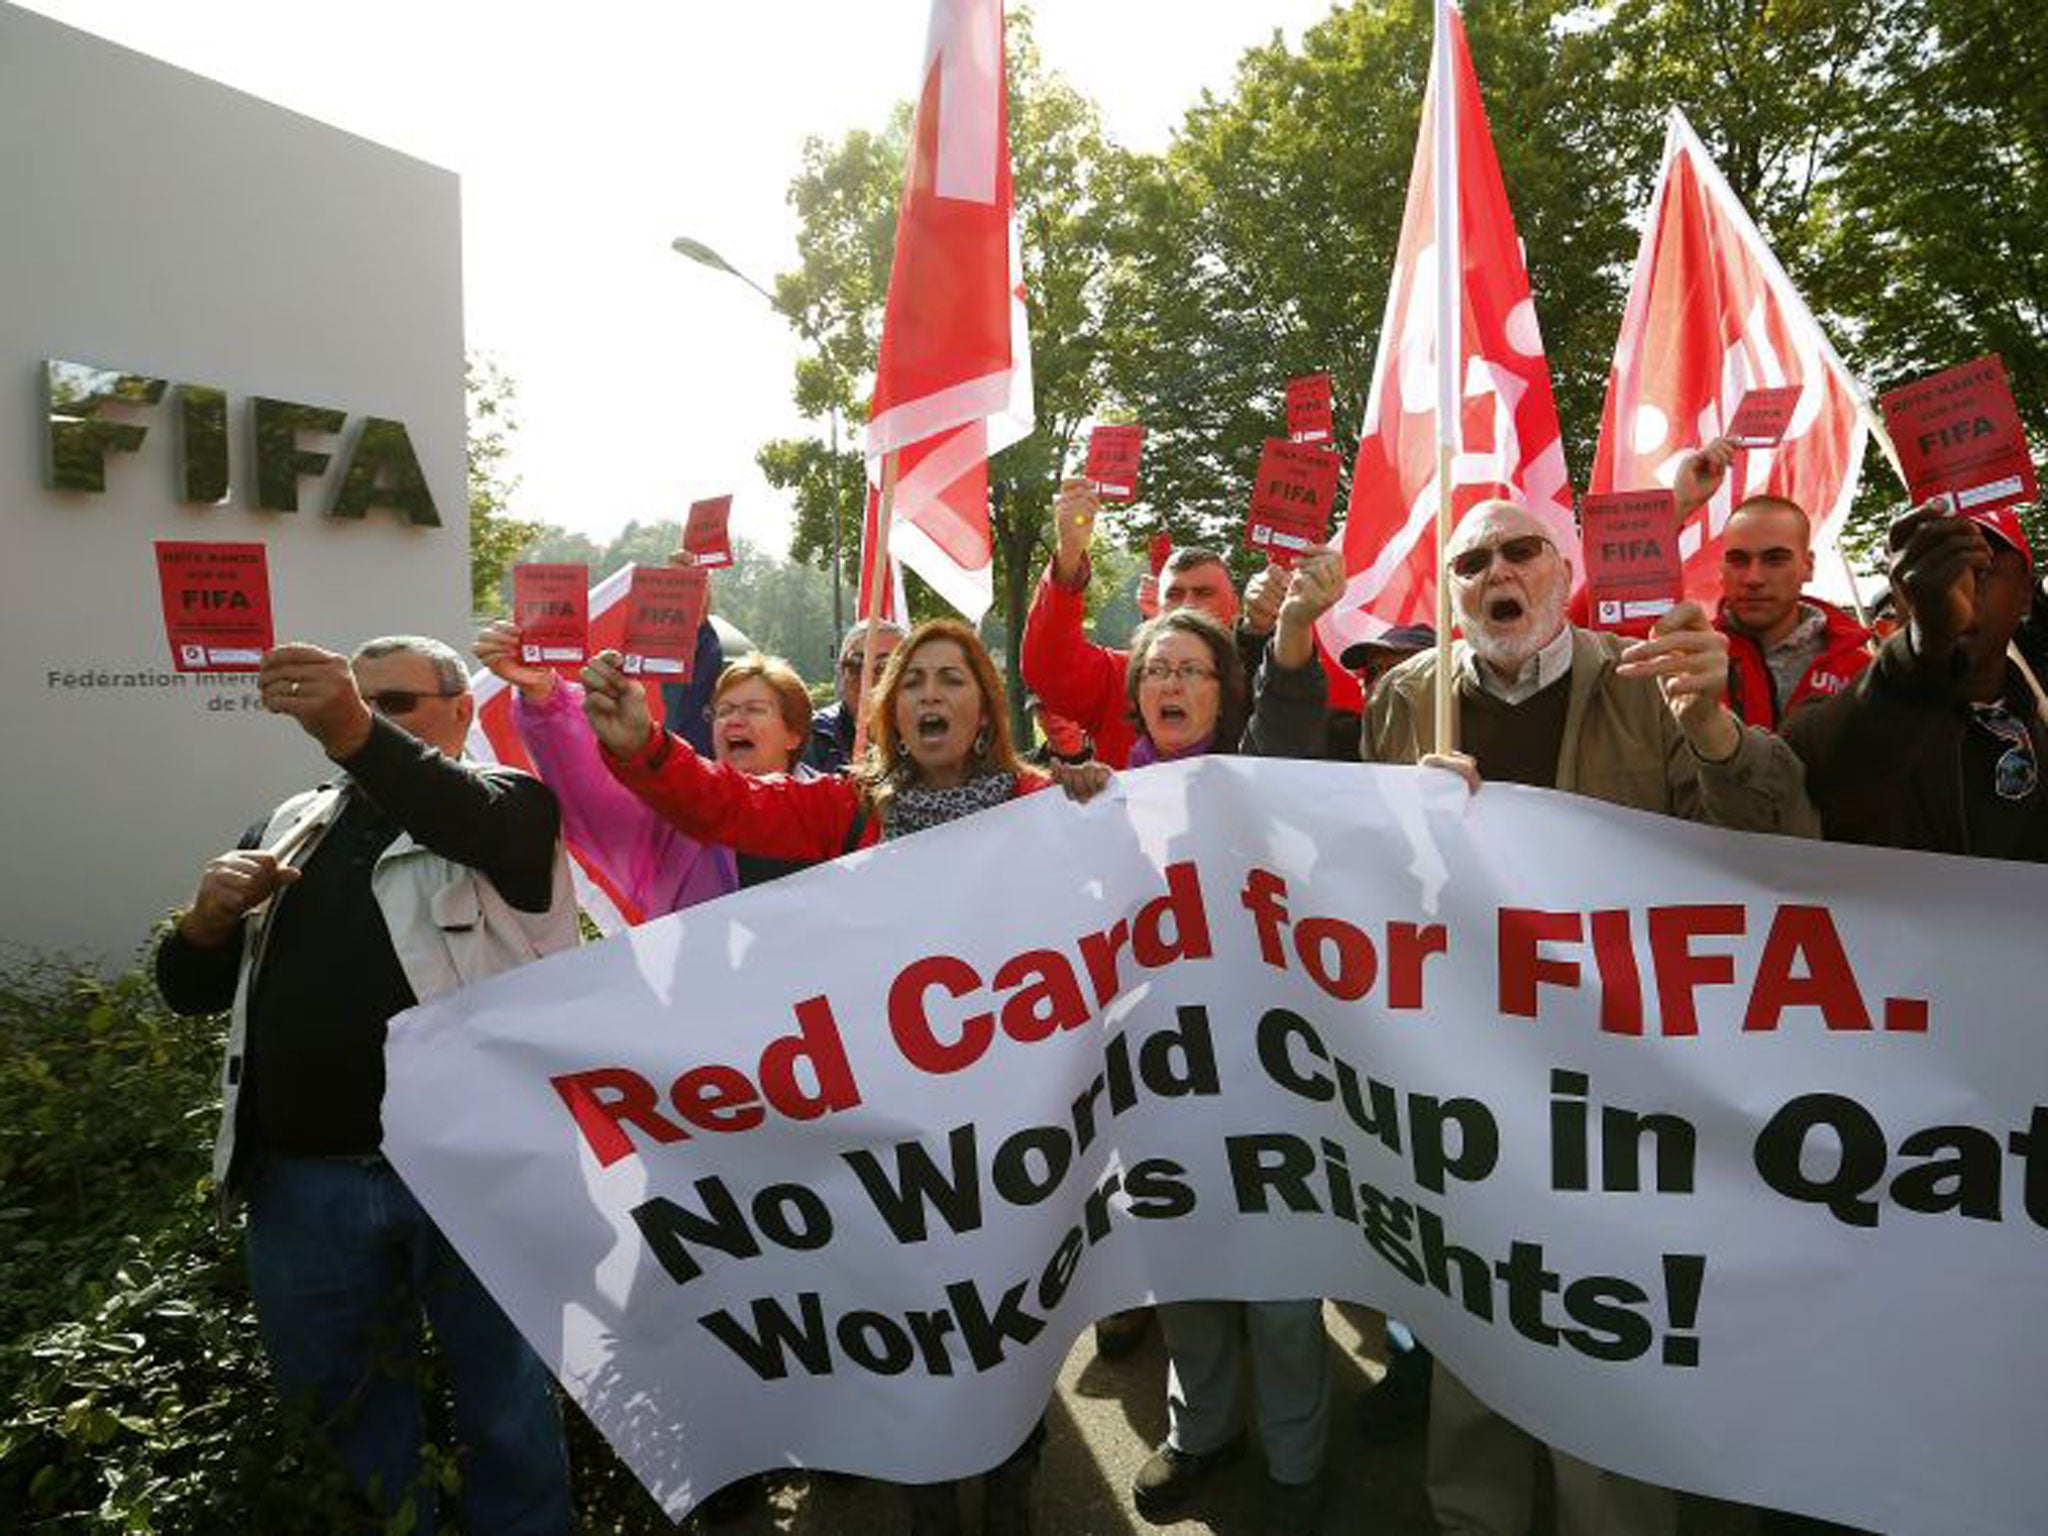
760, 719
938, 748
1185, 684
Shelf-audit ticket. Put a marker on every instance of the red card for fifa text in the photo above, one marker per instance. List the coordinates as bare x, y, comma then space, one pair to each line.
664, 606
1161, 552
1959, 431
1762, 417
216, 605
551, 605
1113, 462
705, 535
1311, 413
1633, 571
1291, 500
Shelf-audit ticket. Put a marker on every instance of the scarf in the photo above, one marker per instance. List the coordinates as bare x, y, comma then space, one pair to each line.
917, 806
1143, 752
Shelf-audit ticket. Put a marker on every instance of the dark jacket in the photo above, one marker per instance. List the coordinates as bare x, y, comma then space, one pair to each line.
1886, 763
830, 747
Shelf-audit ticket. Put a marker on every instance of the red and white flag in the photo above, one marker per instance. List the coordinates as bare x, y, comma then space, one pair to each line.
1463, 273
953, 382
1711, 315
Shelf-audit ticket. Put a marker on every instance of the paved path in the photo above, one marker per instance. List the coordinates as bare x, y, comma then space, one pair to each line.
1104, 1421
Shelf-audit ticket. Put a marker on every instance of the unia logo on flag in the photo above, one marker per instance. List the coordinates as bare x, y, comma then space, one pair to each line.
1711, 315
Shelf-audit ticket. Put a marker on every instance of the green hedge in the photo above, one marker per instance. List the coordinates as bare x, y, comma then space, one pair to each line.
136, 1396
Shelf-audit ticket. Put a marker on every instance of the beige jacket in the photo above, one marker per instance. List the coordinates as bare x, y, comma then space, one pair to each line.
1621, 744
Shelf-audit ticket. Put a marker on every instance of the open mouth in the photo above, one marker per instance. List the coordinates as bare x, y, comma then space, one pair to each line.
1172, 714
1504, 610
932, 726
739, 741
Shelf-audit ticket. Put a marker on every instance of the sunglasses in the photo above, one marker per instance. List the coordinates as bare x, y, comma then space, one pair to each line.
1519, 550
403, 701
2016, 772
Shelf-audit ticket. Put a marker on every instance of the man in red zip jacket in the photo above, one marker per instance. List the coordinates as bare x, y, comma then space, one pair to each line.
1784, 647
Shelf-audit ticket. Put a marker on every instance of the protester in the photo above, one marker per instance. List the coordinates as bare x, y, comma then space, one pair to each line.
1186, 692
408, 875
1371, 660
761, 719
1784, 646
830, 747
760, 715
1938, 744
1368, 661
938, 748
1540, 701
1085, 681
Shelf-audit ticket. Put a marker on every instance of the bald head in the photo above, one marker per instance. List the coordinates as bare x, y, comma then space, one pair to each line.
1492, 521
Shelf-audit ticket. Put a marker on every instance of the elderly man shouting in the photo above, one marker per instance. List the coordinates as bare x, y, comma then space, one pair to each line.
1542, 702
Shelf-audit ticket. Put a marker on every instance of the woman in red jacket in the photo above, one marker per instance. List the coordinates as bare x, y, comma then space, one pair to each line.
938, 748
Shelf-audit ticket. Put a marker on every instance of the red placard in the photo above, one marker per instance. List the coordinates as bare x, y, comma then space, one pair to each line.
706, 535
551, 605
1113, 461
1959, 432
1291, 499
1762, 417
216, 605
1162, 551
1633, 570
1311, 414
664, 606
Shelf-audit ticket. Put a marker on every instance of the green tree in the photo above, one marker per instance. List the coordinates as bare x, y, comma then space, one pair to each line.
1260, 244
1931, 239
784, 607
497, 539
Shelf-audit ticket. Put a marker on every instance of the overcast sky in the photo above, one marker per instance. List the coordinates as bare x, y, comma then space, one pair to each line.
588, 136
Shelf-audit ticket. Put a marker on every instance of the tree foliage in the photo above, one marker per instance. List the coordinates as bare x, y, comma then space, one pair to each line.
496, 537
1891, 151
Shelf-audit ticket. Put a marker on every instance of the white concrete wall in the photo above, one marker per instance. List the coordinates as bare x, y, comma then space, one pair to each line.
155, 222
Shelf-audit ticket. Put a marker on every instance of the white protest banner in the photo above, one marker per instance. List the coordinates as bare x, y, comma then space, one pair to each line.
1716, 1159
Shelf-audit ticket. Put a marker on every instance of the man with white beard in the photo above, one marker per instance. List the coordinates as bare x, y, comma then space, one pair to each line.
1542, 702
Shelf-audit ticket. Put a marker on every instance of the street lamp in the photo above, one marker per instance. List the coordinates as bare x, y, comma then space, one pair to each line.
704, 256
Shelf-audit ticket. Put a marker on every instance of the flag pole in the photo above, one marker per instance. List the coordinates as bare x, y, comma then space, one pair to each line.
1449, 352
874, 567
1875, 424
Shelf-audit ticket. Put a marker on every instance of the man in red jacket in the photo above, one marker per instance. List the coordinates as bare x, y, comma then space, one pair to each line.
1784, 647
1080, 679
